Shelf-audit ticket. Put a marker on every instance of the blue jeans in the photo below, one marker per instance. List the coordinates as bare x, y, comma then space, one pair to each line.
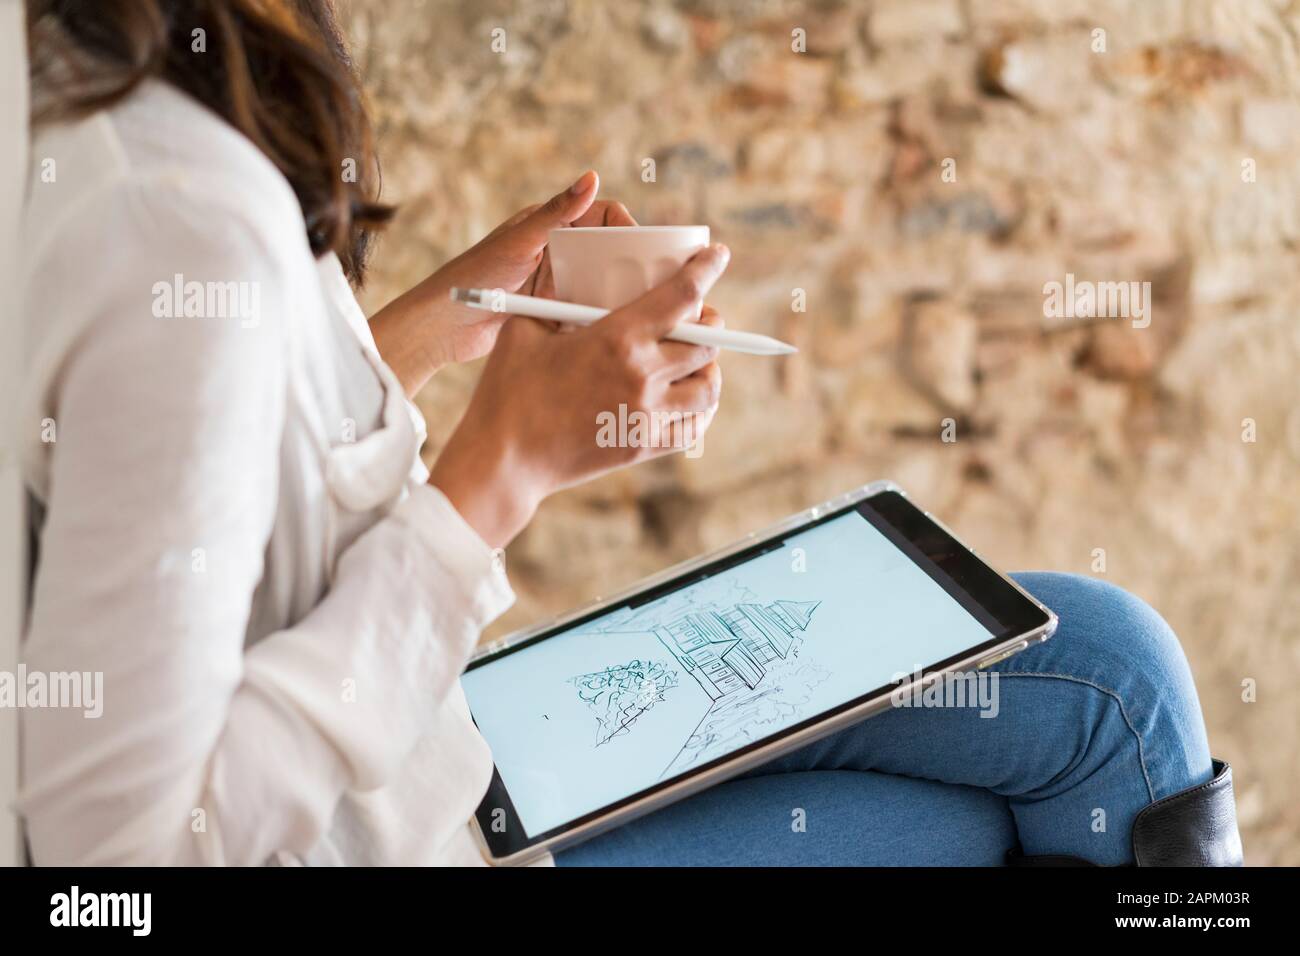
1092, 726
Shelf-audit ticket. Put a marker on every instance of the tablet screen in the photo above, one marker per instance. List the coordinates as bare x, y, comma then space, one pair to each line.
657, 688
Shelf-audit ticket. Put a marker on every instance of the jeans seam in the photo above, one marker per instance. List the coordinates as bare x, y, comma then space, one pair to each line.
1123, 712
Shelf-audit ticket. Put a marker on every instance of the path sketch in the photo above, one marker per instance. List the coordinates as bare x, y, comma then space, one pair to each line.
741, 657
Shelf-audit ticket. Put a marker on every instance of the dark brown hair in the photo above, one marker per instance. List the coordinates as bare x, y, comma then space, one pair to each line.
276, 70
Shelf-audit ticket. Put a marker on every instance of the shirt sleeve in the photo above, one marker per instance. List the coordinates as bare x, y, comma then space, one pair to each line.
163, 482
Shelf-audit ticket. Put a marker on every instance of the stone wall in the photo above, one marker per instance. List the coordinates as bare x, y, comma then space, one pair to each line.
920, 171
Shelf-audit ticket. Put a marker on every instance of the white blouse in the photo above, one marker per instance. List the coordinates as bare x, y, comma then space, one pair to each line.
234, 525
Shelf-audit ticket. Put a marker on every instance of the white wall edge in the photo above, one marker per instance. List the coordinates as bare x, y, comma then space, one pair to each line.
13, 525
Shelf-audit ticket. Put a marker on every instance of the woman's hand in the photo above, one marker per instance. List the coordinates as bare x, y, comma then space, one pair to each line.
422, 330
549, 409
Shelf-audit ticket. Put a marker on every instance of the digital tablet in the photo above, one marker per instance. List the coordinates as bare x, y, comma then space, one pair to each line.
725, 662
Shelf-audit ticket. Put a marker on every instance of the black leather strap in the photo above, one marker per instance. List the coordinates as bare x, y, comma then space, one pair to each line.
1197, 827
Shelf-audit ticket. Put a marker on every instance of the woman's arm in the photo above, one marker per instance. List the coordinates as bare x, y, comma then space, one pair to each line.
164, 481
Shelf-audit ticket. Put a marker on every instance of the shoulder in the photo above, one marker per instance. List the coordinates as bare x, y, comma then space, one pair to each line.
156, 207
156, 163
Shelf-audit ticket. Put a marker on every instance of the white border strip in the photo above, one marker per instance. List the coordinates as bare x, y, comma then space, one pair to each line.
13, 526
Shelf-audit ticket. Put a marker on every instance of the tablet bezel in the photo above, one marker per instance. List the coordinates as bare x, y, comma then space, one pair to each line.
1022, 620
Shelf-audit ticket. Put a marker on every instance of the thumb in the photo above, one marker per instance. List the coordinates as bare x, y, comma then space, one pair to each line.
560, 210
680, 298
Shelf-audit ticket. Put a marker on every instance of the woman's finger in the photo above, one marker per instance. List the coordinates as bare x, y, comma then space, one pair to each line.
680, 359
543, 279
710, 316
688, 430
697, 392
560, 210
678, 299
514, 220
605, 212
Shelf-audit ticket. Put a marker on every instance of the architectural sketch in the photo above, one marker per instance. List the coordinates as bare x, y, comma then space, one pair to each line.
746, 660
728, 651
744, 657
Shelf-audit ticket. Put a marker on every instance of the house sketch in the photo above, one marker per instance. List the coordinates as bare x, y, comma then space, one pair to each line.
728, 651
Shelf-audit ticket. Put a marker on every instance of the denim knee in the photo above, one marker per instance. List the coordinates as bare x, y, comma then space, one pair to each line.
1117, 642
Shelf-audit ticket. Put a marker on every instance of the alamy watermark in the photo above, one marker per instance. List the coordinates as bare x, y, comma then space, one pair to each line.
72, 690
133, 911
659, 429
1084, 299
182, 299
977, 689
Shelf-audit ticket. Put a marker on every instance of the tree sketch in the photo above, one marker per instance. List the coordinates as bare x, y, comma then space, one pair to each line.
620, 695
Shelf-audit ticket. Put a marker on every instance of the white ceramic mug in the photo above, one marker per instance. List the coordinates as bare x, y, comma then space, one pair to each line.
609, 266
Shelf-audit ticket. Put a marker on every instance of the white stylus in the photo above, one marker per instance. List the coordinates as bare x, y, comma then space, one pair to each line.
497, 300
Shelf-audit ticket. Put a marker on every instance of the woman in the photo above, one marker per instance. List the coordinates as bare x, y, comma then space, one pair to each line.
234, 527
